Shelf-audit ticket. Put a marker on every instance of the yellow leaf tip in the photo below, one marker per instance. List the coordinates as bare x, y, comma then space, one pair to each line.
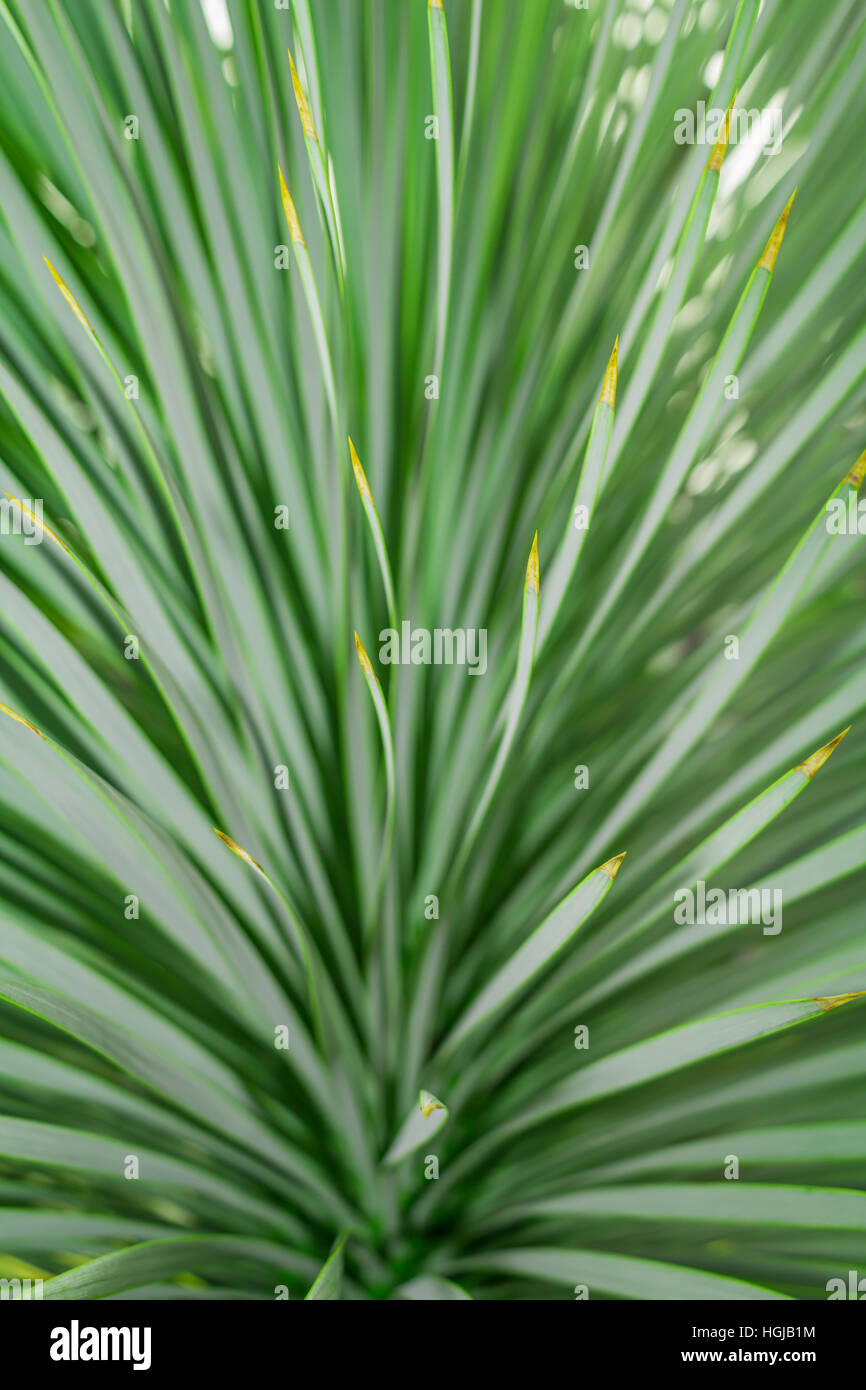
19, 718
38, 522
608, 387
300, 98
721, 145
427, 1103
832, 1001
532, 566
289, 210
858, 472
239, 850
360, 475
366, 664
771, 250
611, 867
818, 759
69, 297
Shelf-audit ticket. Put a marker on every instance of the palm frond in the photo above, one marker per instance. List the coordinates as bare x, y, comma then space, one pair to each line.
412, 1024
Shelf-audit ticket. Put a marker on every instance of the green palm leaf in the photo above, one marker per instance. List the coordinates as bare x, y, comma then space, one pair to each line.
244, 246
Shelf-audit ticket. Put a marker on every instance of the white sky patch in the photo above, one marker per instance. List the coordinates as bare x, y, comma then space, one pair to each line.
216, 18
702, 477
627, 31
693, 313
741, 158
737, 455
640, 86
709, 15
717, 277
654, 26
722, 220
734, 424
665, 274
623, 91
774, 172
701, 351
713, 70
63, 210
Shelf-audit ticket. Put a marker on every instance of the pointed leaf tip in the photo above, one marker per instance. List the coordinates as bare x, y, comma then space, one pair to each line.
239, 851
532, 566
70, 298
818, 759
366, 664
31, 515
832, 1001
721, 145
327, 1283
771, 251
427, 1103
303, 104
420, 1125
611, 868
19, 719
858, 472
608, 388
358, 470
289, 210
